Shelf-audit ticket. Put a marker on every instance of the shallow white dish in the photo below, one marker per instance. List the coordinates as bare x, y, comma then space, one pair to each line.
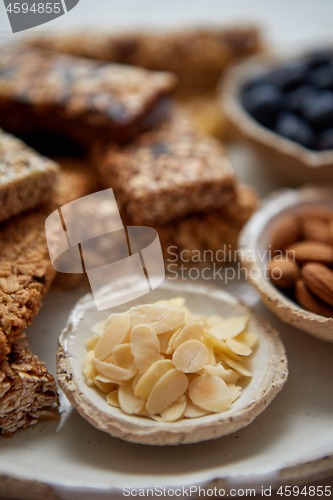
267, 364
254, 245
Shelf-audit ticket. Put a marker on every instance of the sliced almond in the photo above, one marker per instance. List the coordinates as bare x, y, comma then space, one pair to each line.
229, 376
235, 391
175, 410
194, 411
191, 331
150, 378
99, 327
107, 380
210, 393
92, 342
145, 347
128, 402
229, 328
122, 355
250, 339
190, 356
161, 318
209, 344
213, 321
164, 339
167, 390
169, 350
220, 347
236, 365
112, 398
118, 325
238, 347
104, 387
110, 370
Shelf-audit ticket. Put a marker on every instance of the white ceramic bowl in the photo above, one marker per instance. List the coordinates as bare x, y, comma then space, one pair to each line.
290, 159
254, 243
268, 365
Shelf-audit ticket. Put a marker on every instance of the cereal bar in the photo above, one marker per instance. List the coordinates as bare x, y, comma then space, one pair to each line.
167, 173
27, 390
196, 54
26, 178
81, 98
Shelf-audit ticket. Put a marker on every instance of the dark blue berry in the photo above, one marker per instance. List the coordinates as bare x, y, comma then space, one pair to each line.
296, 129
317, 108
263, 101
297, 96
290, 75
325, 140
322, 77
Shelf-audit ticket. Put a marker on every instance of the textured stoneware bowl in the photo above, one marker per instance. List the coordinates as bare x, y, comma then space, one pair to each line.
254, 243
268, 365
288, 158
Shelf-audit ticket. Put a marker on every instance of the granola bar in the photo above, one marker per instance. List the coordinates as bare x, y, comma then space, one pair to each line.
27, 390
193, 54
81, 98
215, 231
167, 173
26, 178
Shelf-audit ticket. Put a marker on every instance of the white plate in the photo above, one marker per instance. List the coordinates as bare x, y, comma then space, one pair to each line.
291, 442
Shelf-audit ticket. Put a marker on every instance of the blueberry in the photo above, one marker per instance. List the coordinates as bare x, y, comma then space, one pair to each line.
322, 77
317, 108
319, 58
263, 101
296, 129
290, 75
325, 140
297, 96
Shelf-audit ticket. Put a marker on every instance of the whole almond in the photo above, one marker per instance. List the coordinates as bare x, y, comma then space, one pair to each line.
287, 232
322, 213
310, 251
315, 229
319, 280
283, 272
307, 300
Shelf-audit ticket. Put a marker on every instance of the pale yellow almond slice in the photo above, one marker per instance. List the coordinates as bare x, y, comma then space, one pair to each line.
108, 380
150, 378
229, 376
250, 339
210, 393
167, 390
194, 411
107, 388
220, 347
229, 328
128, 402
190, 356
110, 370
99, 327
161, 318
177, 301
213, 321
122, 355
145, 347
235, 391
112, 398
175, 410
238, 347
118, 325
92, 342
87, 359
89, 372
136, 380
236, 365
191, 331
169, 350
164, 339
209, 344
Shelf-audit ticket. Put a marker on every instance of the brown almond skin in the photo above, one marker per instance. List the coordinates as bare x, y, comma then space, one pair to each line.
311, 251
287, 232
308, 301
322, 213
283, 272
319, 280
315, 229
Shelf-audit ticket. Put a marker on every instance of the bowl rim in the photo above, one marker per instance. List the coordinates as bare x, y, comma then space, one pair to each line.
201, 428
275, 205
229, 89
